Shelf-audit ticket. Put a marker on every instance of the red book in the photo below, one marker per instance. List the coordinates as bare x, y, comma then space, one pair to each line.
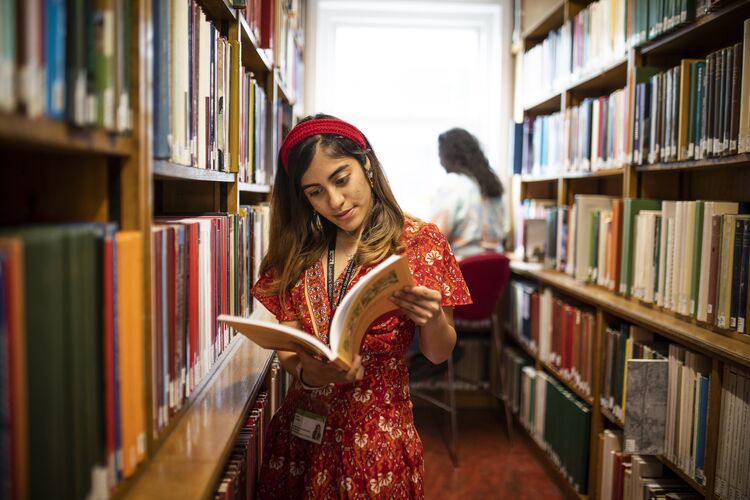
267, 23
109, 368
192, 301
171, 310
159, 376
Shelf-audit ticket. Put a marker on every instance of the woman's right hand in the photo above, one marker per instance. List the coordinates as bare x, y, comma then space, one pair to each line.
317, 373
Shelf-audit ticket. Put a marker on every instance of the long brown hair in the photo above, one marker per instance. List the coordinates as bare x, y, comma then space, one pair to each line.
297, 240
464, 154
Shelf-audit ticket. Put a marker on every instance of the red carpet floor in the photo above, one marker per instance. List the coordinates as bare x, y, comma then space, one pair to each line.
489, 467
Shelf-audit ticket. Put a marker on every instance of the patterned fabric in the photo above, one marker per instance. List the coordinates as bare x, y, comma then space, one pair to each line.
472, 224
370, 447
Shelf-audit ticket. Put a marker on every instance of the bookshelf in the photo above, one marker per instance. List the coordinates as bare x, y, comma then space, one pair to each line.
58, 173
722, 178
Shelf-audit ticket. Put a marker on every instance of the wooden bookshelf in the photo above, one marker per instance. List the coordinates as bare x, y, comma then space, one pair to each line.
254, 58
732, 161
189, 461
552, 17
719, 178
55, 172
705, 32
566, 382
245, 187
674, 468
609, 77
167, 170
663, 323
219, 10
53, 135
545, 105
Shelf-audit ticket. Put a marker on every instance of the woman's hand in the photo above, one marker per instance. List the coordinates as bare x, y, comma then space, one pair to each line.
317, 373
421, 304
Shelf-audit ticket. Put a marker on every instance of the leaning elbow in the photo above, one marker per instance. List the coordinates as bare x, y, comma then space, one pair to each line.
437, 358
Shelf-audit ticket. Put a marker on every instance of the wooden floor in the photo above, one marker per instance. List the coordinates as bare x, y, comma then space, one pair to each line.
489, 467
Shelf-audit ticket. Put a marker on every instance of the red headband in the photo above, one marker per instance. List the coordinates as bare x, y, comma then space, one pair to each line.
319, 126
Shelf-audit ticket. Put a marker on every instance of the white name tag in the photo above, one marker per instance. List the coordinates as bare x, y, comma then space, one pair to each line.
308, 426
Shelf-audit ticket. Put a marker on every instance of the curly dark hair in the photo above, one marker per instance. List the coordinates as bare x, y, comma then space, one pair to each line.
460, 152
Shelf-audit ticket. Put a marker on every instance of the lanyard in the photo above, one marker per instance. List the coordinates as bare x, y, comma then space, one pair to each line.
330, 278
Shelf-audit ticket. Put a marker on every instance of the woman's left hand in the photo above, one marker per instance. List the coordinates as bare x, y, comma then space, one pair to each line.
421, 304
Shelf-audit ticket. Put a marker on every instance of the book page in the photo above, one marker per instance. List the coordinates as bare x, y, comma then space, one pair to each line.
365, 302
278, 337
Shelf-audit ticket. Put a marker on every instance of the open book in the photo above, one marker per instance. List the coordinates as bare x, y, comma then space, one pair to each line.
364, 303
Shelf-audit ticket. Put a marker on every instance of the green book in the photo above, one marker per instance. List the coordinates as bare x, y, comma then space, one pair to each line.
696, 264
630, 208
47, 340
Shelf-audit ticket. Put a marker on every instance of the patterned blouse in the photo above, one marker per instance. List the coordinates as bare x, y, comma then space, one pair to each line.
472, 224
370, 447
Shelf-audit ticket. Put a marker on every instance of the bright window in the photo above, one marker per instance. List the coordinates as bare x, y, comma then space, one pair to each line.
404, 72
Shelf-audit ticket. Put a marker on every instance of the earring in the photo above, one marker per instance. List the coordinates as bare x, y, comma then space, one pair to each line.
369, 177
317, 225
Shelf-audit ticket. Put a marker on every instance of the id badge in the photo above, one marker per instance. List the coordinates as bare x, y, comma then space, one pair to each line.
308, 426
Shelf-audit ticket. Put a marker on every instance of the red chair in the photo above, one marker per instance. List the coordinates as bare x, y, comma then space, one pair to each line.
486, 276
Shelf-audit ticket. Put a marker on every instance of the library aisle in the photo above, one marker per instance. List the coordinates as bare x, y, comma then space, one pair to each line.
491, 466
139, 143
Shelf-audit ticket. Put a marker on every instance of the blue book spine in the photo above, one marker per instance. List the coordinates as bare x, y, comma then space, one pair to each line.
700, 451
55, 54
162, 82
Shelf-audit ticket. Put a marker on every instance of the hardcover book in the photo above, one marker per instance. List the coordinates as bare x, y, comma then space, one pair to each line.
364, 303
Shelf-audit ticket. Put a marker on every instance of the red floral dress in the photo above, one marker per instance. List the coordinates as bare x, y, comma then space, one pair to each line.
370, 447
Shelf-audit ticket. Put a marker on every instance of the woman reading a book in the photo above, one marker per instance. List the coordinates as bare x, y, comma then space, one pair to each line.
333, 218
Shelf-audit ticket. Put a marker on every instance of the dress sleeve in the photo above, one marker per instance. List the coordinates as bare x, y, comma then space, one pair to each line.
272, 302
435, 266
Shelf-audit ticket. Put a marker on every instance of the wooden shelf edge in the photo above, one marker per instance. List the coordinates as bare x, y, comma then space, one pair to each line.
254, 188
219, 10
547, 463
612, 418
166, 170
190, 460
619, 64
604, 172
536, 30
674, 328
62, 136
256, 59
589, 400
544, 104
674, 468
740, 160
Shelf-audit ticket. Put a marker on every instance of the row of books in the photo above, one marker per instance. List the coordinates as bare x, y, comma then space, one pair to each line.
555, 417
622, 343
241, 472
202, 267
254, 139
733, 459
597, 37
587, 137
589, 41
191, 87
73, 402
660, 392
628, 476
68, 60
695, 110
562, 333
690, 257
